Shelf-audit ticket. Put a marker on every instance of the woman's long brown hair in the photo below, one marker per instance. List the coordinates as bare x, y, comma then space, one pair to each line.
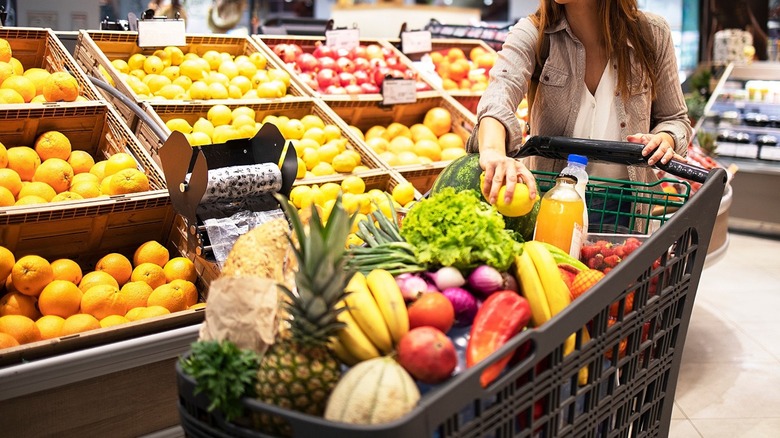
621, 22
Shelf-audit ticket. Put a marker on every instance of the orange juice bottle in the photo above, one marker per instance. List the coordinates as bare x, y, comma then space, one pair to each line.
560, 216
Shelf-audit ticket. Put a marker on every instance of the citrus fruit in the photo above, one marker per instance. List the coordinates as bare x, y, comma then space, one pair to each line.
128, 181
152, 311
22, 85
81, 162
61, 298
7, 198
112, 320
189, 290
21, 328
95, 278
37, 188
7, 262
117, 265
180, 268
169, 297
103, 300
11, 181
60, 86
520, 204
17, 303
7, 341
79, 323
149, 273
151, 252
66, 269
136, 293
24, 160
50, 326
353, 184
403, 192
438, 120
117, 162
31, 274
55, 172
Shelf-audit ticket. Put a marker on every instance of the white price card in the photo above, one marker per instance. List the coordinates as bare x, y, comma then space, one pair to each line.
342, 38
398, 91
161, 33
726, 149
747, 151
770, 153
416, 42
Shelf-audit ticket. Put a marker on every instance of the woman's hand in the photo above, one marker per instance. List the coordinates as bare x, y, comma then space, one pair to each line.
658, 147
502, 170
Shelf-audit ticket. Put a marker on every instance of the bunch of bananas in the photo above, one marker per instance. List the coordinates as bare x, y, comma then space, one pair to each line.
375, 318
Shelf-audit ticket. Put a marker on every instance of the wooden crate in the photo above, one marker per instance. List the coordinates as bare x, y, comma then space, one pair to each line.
162, 112
309, 43
99, 48
367, 114
469, 99
40, 48
85, 238
90, 126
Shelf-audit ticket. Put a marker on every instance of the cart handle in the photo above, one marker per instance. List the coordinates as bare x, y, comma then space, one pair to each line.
621, 152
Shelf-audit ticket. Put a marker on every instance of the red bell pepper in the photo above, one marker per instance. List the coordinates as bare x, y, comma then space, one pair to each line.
502, 315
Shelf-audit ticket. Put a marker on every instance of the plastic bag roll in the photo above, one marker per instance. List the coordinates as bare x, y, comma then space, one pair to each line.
236, 183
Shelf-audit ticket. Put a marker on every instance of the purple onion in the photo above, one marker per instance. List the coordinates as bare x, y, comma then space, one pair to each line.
464, 303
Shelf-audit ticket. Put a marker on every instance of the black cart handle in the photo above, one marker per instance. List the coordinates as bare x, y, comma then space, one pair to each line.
620, 152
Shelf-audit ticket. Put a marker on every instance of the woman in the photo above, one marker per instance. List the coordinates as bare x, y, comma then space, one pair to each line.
610, 73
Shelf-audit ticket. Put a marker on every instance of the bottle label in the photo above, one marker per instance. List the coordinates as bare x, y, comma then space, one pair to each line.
576, 241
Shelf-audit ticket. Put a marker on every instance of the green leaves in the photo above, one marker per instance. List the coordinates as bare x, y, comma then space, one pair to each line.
223, 372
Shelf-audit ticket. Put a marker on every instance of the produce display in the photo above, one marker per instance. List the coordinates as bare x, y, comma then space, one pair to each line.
461, 71
26, 84
416, 300
48, 299
361, 70
51, 171
171, 74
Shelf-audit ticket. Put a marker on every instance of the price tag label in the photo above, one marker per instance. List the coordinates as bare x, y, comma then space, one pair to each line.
770, 153
416, 42
161, 33
726, 149
747, 151
342, 38
398, 91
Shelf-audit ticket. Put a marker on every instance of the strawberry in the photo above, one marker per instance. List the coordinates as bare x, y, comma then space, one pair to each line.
608, 250
588, 252
612, 260
595, 262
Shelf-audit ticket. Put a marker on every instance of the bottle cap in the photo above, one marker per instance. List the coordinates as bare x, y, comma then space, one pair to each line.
581, 159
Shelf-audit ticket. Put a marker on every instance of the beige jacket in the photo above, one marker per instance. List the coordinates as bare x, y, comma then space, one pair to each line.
561, 84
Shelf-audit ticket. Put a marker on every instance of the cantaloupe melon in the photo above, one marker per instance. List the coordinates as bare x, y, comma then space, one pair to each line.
374, 391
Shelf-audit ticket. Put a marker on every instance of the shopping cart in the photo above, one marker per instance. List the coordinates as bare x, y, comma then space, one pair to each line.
636, 319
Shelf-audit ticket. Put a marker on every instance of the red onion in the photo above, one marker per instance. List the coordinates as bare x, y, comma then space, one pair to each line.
464, 303
412, 286
510, 282
485, 280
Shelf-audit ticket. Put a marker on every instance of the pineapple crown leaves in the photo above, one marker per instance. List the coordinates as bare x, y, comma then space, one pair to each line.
321, 260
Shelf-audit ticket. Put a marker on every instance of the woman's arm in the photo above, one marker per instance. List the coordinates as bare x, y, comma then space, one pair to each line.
499, 169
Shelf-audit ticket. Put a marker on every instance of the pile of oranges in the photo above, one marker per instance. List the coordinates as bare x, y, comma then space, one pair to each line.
51, 171
459, 72
46, 300
33, 85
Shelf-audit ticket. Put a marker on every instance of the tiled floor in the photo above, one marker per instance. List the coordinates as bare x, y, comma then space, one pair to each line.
730, 375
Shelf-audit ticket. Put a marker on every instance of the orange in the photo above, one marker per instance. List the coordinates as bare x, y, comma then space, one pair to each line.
112, 320
7, 341
136, 293
7, 262
134, 314
60, 87
149, 273
117, 265
16, 303
86, 189
31, 200
55, 172
22, 328
79, 323
95, 278
180, 268
128, 181
11, 181
7, 198
66, 196
151, 252
103, 300
53, 144
3, 156
8, 95
438, 120
50, 326
38, 77
486, 61
22, 85
421, 132
66, 269
6, 71
37, 188
31, 274
119, 161
476, 52
170, 297
152, 311
459, 70
61, 298
80, 161
5, 50
83, 178
455, 53
197, 306
188, 288
24, 160
99, 169
432, 309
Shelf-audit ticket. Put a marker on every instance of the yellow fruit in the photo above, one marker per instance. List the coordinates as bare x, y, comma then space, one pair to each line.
55, 172
403, 192
175, 55
121, 65
353, 184
10, 96
81, 162
171, 92
451, 140
452, 153
219, 115
323, 169
7, 198
66, 196
344, 163
85, 189
179, 124
128, 181
22, 85
180, 268
10, 179
400, 144
112, 320
118, 161
31, 200
520, 204
79, 323
438, 120
428, 148
5, 50
396, 129
60, 87
136, 293
50, 326
99, 169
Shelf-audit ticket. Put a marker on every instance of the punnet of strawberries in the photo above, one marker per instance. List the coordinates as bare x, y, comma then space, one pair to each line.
605, 254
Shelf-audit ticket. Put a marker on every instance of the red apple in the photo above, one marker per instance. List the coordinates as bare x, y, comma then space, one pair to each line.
309, 79
345, 65
353, 89
427, 354
347, 79
377, 63
361, 77
287, 52
362, 64
307, 62
327, 77
327, 62
322, 50
358, 51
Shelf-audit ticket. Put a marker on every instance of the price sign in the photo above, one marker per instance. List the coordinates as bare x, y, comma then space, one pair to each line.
747, 151
727, 149
398, 91
416, 42
342, 38
161, 33
770, 153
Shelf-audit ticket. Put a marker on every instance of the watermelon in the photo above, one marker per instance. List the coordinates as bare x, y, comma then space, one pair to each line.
463, 173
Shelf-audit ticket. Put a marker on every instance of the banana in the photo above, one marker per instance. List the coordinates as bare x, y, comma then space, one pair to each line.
342, 352
391, 303
555, 289
364, 308
532, 290
353, 340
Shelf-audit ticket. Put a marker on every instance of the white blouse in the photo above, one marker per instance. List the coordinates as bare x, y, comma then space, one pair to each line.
597, 119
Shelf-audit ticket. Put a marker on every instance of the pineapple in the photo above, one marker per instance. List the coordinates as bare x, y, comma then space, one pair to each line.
299, 371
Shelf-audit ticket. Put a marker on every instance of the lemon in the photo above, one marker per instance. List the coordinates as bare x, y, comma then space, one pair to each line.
171, 92
322, 169
301, 169
292, 130
192, 69
219, 115
174, 54
218, 91
136, 61
298, 193
276, 74
204, 126
200, 139
353, 184
179, 124
520, 204
343, 163
199, 90
331, 190
259, 60
312, 121
403, 193
153, 64
311, 157
353, 240
328, 152
121, 65
316, 134
243, 120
